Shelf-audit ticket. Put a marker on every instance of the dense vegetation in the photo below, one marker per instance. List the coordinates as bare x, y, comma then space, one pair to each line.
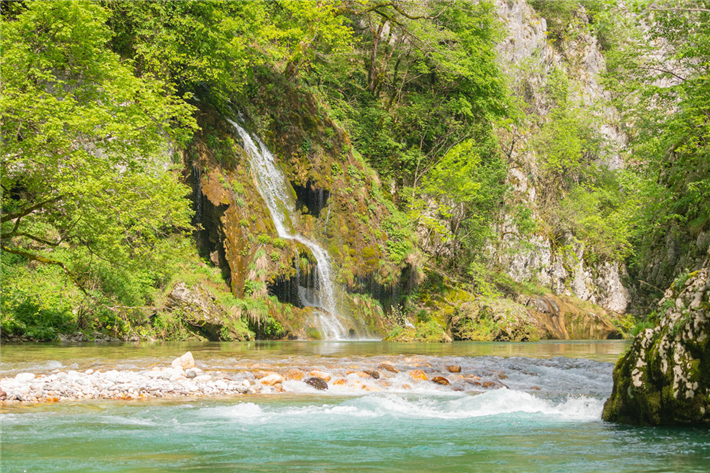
98, 97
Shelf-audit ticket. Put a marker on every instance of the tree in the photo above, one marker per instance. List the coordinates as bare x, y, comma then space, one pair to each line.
659, 71
86, 177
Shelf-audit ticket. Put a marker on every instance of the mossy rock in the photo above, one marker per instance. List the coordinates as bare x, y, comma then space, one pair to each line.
427, 332
664, 378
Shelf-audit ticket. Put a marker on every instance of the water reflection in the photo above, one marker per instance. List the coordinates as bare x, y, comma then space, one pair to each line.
46, 357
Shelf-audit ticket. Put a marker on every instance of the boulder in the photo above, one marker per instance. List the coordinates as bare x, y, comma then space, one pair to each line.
454, 368
295, 375
664, 378
317, 383
372, 373
272, 379
440, 380
198, 308
184, 362
320, 374
418, 375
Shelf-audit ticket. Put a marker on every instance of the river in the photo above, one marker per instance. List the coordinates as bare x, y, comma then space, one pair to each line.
545, 418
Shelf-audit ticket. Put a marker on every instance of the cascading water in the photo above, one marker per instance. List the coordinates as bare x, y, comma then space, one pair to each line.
275, 189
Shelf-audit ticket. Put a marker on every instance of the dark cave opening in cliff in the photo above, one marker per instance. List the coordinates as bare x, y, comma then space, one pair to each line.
312, 198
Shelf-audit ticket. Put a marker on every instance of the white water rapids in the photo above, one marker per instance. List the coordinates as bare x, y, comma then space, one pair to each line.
276, 192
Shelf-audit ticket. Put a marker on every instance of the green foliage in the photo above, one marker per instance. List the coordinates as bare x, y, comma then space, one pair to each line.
468, 186
665, 101
600, 215
567, 140
559, 14
399, 236
86, 178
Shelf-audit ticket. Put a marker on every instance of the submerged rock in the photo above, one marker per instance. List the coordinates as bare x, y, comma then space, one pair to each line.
454, 368
372, 373
317, 383
440, 380
387, 367
665, 376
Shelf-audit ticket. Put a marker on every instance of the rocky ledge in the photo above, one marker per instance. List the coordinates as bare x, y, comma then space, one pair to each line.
665, 376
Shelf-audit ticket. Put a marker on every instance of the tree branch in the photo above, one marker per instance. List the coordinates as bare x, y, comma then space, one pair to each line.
22, 213
46, 260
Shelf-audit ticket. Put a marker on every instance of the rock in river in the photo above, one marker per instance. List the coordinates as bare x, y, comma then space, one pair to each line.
419, 375
665, 377
317, 383
184, 362
440, 380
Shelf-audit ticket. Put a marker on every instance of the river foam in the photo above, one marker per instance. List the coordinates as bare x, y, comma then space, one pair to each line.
502, 402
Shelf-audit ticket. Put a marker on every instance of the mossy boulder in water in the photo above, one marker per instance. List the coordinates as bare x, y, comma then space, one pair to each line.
665, 376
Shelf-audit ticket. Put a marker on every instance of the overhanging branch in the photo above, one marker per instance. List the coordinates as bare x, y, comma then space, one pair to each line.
45, 260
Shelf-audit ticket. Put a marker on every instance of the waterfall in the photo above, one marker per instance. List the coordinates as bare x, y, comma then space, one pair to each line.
276, 192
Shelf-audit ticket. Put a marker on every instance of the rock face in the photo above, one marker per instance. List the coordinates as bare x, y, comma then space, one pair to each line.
527, 55
198, 308
665, 376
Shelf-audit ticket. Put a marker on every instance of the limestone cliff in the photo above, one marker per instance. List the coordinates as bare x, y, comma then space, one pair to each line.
665, 376
558, 262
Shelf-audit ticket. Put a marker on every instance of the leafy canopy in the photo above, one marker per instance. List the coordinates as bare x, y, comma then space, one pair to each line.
86, 176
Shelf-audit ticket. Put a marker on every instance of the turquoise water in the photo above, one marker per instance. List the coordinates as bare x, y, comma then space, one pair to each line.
374, 432
554, 429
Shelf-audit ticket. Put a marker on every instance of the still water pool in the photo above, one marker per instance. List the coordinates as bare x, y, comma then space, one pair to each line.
555, 428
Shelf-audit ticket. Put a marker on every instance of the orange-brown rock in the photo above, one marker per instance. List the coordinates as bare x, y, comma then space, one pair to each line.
263, 374
418, 375
454, 368
272, 379
320, 374
387, 367
440, 380
535, 388
372, 373
295, 375
492, 384
340, 382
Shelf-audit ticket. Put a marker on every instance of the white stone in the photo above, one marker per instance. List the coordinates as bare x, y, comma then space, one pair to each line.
272, 379
185, 361
25, 377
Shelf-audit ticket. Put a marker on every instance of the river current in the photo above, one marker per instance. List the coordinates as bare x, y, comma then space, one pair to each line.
544, 414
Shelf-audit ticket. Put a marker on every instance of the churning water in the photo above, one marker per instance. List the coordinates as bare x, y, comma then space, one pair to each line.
547, 418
